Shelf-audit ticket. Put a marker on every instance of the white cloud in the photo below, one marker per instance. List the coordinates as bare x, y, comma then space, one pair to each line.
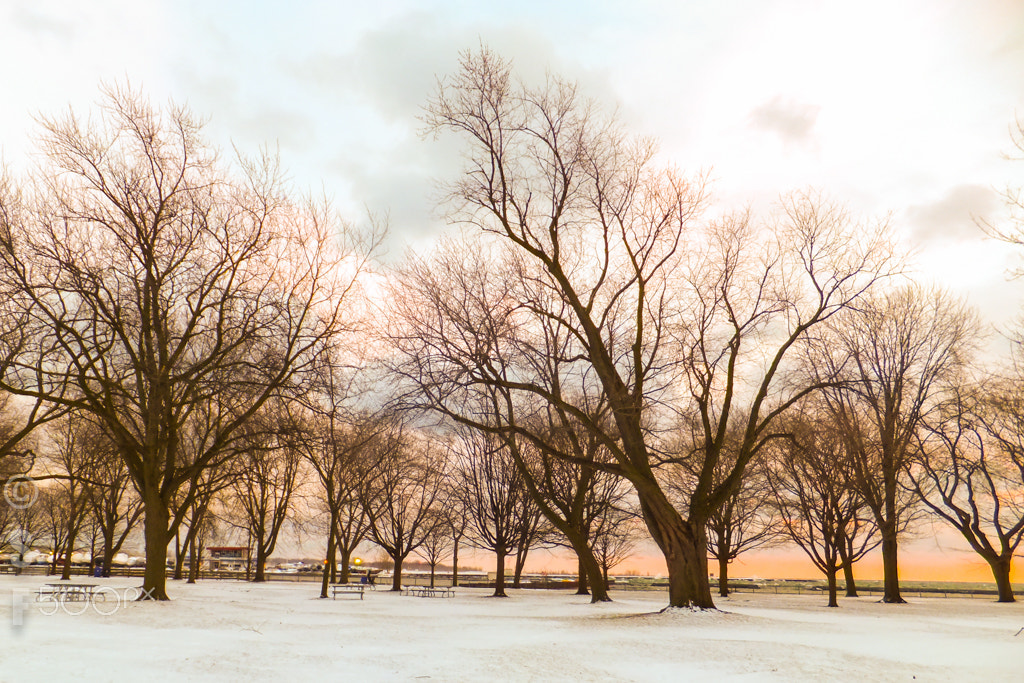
790, 120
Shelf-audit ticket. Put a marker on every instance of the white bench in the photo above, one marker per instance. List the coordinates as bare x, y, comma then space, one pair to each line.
347, 589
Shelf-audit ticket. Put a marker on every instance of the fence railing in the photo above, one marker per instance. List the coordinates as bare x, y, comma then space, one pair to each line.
532, 582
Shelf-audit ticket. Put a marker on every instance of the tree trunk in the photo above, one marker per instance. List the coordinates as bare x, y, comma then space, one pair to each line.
851, 584
455, 565
396, 578
346, 560
69, 548
108, 551
179, 557
193, 560
888, 528
590, 568
92, 554
433, 568
833, 587
890, 568
517, 577
261, 563
844, 557
499, 574
1001, 572
581, 588
723, 575
154, 580
325, 581
684, 545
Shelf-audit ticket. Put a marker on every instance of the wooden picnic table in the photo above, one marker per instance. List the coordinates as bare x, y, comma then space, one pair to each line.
71, 592
430, 591
54, 596
347, 589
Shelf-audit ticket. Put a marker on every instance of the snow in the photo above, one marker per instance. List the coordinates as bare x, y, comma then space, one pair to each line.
224, 630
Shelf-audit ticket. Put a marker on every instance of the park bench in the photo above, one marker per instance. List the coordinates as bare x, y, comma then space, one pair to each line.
347, 589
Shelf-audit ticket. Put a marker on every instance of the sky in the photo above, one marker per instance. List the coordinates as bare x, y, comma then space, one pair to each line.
900, 106
892, 106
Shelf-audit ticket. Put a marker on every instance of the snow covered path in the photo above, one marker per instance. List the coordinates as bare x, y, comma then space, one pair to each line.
220, 630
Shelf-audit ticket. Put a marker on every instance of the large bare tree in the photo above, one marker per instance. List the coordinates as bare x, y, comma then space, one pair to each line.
151, 276
888, 361
576, 232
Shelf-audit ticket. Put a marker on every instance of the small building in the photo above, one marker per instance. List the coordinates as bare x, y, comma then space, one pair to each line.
228, 558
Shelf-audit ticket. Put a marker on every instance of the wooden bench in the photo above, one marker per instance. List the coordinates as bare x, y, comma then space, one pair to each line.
347, 589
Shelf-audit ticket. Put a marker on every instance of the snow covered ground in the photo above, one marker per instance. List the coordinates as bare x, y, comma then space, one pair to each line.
220, 630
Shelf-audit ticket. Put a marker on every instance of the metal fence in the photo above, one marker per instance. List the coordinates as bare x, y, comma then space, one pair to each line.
471, 580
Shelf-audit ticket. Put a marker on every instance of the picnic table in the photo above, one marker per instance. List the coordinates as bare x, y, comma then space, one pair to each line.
430, 591
60, 594
347, 589
70, 592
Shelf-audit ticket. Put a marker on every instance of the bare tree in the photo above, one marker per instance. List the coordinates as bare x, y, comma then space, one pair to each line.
112, 499
614, 536
889, 359
457, 527
439, 542
55, 513
7, 528
810, 479
265, 482
402, 493
27, 527
535, 533
151, 277
752, 296
591, 236
337, 443
76, 440
193, 510
572, 495
493, 496
970, 472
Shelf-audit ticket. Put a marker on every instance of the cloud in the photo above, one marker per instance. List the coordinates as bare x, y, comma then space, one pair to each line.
790, 120
34, 21
378, 85
955, 215
395, 67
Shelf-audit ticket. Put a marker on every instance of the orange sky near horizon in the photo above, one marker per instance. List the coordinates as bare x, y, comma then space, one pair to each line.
941, 557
